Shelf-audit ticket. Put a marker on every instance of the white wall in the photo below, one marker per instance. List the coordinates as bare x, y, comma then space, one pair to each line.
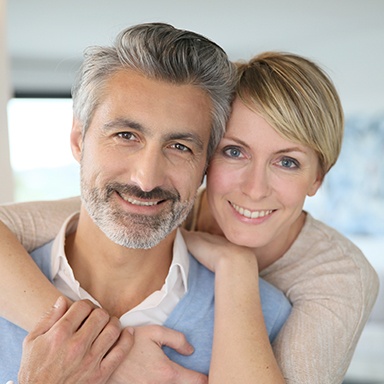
345, 37
6, 180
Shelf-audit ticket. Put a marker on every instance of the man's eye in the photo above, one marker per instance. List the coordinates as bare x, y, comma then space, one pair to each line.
181, 147
233, 152
126, 135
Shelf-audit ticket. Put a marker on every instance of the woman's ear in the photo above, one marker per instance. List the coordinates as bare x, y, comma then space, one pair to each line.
316, 184
77, 139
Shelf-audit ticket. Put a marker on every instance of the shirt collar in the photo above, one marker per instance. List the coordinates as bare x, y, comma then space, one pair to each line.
62, 271
180, 258
180, 252
58, 247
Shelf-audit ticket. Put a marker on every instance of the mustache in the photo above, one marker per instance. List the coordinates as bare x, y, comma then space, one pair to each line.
134, 191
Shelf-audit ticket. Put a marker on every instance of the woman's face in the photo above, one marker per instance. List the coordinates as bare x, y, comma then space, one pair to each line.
258, 181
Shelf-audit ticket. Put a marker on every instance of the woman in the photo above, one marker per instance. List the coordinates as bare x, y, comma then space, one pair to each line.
283, 136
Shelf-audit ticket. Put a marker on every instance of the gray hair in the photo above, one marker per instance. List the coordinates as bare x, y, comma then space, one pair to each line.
162, 52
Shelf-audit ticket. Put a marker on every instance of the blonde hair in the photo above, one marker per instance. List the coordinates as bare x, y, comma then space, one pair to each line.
298, 99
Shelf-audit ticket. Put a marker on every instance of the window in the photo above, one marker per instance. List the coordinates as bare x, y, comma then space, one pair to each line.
41, 158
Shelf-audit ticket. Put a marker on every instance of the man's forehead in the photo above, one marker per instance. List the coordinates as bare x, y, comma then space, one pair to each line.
130, 97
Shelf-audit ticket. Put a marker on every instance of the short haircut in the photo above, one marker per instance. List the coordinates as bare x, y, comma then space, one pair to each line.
298, 99
159, 51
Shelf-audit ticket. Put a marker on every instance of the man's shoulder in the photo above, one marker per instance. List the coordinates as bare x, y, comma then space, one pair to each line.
42, 257
275, 305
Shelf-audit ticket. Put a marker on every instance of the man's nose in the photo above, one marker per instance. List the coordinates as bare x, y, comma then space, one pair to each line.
149, 169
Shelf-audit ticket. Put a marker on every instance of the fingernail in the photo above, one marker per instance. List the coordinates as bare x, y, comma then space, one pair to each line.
190, 349
58, 303
131, 330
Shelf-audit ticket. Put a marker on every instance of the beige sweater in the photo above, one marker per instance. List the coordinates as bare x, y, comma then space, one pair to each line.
330, 283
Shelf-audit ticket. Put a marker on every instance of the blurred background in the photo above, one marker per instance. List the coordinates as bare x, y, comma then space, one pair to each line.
41, 45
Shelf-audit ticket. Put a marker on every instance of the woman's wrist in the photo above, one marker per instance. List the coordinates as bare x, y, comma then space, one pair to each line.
236, 258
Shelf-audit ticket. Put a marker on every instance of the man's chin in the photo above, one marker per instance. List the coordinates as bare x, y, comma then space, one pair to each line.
138, 240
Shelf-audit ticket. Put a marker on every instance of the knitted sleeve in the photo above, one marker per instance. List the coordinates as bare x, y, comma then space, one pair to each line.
35, 223
332, 288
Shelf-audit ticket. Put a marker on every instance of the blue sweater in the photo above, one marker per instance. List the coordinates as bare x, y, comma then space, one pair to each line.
193, 316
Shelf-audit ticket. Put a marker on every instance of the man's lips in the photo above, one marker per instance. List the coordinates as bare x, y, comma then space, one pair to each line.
140, 203
139, 198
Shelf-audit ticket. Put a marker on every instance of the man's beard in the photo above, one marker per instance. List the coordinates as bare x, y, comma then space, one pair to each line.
130, 230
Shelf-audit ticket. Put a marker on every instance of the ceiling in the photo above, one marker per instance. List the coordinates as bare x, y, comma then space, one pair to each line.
46, 38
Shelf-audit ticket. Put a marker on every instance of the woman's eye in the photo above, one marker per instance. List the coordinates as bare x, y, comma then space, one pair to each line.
232, 152
289, 163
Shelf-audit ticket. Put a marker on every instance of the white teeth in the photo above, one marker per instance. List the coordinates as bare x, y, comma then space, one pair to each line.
141, 203
249, 214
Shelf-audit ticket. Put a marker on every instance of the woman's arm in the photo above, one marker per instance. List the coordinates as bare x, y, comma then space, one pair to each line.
240, 342
35, 223
27, 292
332, 288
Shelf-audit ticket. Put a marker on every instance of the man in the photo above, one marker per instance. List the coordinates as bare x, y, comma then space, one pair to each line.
148, 114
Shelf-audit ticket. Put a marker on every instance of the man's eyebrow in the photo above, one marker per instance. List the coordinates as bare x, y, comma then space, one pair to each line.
123, 123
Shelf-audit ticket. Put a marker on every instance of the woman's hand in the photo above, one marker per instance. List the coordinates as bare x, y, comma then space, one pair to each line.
241, 349
213, 250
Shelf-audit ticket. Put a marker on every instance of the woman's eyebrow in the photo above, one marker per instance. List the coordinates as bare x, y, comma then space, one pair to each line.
236, 140
291, 149
280, 151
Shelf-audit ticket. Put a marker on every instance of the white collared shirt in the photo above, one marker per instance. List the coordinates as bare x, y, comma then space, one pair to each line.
155, 309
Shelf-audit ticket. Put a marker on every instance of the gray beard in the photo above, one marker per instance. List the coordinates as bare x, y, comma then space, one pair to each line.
133, 230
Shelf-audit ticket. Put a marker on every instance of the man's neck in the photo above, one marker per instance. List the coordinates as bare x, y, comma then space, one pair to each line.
118, 278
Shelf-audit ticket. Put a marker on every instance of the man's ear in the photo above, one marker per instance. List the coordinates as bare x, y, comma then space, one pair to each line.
77, 139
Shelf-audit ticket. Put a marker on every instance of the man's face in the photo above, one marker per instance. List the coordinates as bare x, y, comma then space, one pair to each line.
143, 157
